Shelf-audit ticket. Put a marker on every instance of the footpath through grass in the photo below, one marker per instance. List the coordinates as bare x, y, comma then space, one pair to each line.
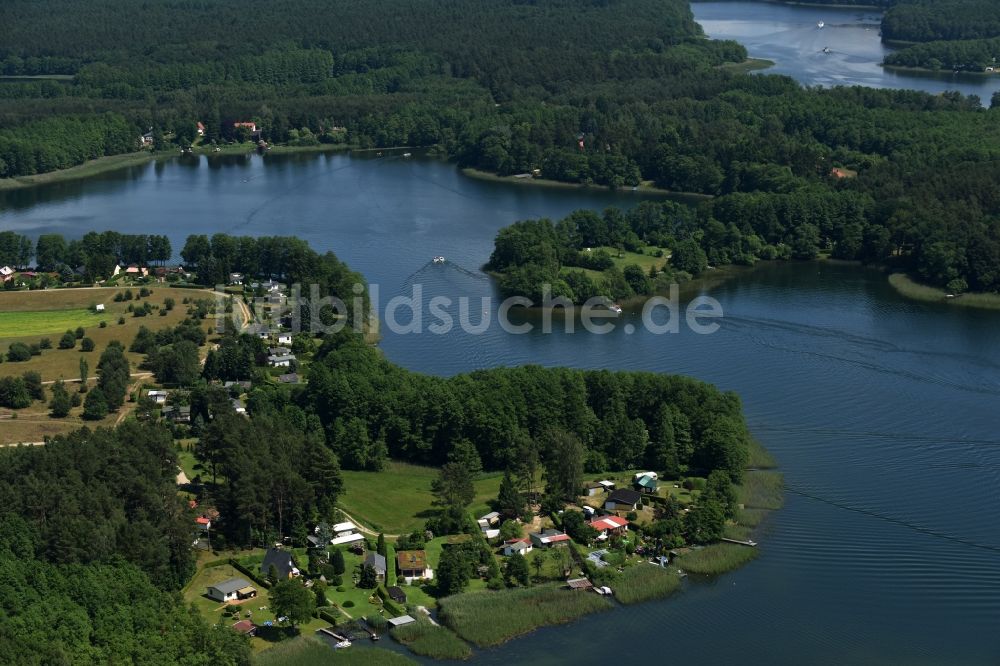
491, 618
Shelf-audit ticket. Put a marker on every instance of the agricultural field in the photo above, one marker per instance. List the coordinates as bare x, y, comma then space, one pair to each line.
398, 499
33, 424
29, 316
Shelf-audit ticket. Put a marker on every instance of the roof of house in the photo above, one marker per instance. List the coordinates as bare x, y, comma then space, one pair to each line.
203, 520
594, 484
624, 496
518, 545
231, 585
280, 359
550, 536
647, 482
347, 538
579, 584
401, 620
376, 561
410, 560
346, 526
279, 351
290, 378
492, 515
608, 523
279, 559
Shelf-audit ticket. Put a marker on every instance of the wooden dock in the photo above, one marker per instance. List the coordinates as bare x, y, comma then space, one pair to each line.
330, 632
752, 544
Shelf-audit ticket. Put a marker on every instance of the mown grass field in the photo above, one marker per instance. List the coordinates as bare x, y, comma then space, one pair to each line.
28, 316
398, 499
491, 618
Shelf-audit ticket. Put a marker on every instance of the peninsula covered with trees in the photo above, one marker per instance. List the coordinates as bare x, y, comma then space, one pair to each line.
279, 460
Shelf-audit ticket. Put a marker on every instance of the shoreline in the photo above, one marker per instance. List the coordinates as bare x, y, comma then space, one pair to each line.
479, 174
748, 65
909, 288
934, 73
815, 5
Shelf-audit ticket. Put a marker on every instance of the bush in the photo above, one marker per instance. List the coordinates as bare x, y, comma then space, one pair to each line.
45, 343
144, 292
103, 324
18, 352
36, 349
348, 603
67, 341
14, 393
87, 345
80, 332
121, 320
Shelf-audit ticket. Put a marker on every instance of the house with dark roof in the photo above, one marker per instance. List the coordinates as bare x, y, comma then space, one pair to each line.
281, 560
622, 499
376, 562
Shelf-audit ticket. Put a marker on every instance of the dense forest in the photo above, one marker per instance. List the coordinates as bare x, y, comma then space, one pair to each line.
613, 93
93, 540
934, 20
968, 55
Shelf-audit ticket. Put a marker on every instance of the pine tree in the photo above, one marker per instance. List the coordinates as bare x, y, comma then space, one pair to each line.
380, 545
60, 403
510, 502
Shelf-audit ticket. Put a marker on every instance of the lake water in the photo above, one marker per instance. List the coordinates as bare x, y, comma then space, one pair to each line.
789, 36
882, 412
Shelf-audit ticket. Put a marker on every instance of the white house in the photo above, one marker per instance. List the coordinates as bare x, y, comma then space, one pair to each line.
491, 533
346, 533
285, 339
517, 546
99, 307
231, 590
158, 397
282, 361
639, 475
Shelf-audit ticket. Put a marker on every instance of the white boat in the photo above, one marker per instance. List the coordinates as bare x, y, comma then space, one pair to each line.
438, 260
407, 154
820, 25
826, 49
614, 307
343, 644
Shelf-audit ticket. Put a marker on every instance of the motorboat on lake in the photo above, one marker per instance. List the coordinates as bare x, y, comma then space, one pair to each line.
438, 260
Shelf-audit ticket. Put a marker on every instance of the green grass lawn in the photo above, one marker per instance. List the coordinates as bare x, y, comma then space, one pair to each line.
20, 324
398, 499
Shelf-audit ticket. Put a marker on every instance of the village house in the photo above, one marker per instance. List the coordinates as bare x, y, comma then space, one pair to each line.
517, 547
345, 533
146, 139
250, 125
579, 584
231, 590
549, 537
647, 483
204, 523
413, 565
238, 407
281, 560
280, 360
7, 273
607, 526
289, 378
159, 397
622, 500
236, 278
593, 488
201, 129
400, 621
376, 562
99, 307
490, 519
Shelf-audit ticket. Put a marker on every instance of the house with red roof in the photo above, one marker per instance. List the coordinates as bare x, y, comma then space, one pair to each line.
548, 538
609, 525
520, 546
